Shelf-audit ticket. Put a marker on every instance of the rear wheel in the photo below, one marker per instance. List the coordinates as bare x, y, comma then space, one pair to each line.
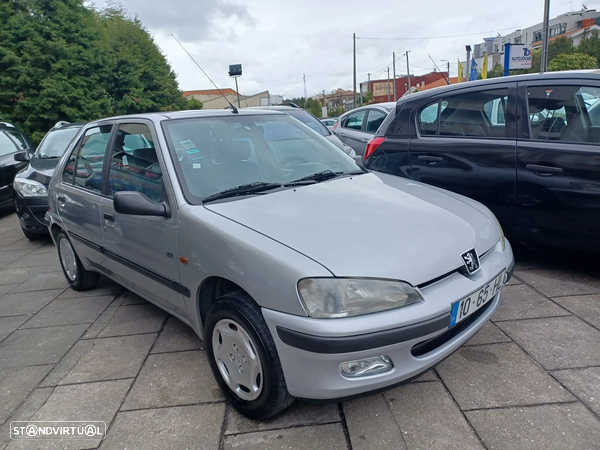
243, 357
78, 278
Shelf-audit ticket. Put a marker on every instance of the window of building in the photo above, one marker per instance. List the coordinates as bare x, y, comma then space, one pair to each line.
90, 160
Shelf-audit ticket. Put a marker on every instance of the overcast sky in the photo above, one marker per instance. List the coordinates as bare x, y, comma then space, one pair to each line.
276, 41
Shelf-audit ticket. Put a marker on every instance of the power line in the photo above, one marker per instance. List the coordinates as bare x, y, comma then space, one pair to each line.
435, 37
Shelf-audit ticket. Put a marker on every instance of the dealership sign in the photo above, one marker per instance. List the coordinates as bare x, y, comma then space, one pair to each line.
382, 88
517, 56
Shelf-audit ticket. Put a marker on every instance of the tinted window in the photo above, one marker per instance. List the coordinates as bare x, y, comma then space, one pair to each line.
7, 145
19, 139
69, 170
219, 153
90, 160
134, 165
307, 118
564, 113
55, 143
374, 120
355, 120
428, 119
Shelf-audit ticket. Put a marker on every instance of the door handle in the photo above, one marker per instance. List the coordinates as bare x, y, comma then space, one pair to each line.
543, 170
341, 135
364, 141
109, 217
61, 198
432, 159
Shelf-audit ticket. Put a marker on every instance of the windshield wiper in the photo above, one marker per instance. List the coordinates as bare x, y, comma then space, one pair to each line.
316, 177
244, 189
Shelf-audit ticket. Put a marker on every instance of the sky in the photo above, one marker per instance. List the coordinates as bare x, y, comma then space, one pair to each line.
280, 41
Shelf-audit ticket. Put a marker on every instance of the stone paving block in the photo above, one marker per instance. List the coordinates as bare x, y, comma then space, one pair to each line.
5, 288
430, 375
66, 364
173, 379
16, 384
322, 437
299, 414
111, 358
63, 311
105, 287
13, 276
371, 424
584, 384
100, 323
587, 307
177, 336
79, 402
48, 247
24, 412
43, 281
26, 302
34, 259
556, 342
135, 319
10, 324
498, 375
24, 244
416, 406
561, 282
7, 257
6, 240
196, 427
129, 298
38, 345
514, 280
522, 302
548, 427
488, 334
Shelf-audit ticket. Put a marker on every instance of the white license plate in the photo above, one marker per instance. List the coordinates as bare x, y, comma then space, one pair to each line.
468, 305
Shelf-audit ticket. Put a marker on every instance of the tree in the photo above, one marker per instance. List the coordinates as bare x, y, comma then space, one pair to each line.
591, 46
368, 98
497, 71
560, 46
573, 61
192, 103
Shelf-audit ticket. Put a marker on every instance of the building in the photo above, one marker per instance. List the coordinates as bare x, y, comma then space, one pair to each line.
383, 90
576, 25
340, 98
212, 98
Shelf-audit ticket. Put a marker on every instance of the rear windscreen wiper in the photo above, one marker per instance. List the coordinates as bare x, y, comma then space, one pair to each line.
244, 189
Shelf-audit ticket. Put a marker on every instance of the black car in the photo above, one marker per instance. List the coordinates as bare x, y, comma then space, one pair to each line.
527, 147
30, 185
10, 146
18, 136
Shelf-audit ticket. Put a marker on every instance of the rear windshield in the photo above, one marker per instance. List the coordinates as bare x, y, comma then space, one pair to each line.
18, 138
217, 153
7, 145
308, 119
55, 143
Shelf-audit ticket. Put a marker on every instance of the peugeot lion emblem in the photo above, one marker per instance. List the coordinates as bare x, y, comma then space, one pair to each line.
471, 261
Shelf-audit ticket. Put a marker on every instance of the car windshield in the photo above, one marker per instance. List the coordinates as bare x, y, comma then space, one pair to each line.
56, 142
214, 154
308, 119
18, 138
7, 145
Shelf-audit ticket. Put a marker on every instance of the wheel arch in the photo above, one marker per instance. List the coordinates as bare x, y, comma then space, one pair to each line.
211, 289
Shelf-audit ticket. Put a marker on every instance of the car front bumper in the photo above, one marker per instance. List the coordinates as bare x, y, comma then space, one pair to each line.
32, 213
311, 350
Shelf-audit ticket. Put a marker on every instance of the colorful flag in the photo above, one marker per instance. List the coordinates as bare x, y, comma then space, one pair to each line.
484, 68
460, 72
473, 75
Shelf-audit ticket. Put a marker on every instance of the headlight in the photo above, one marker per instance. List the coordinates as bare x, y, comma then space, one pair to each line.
345, 297
29, 188
502, 239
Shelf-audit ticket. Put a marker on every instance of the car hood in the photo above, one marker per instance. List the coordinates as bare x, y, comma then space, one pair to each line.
370, 225
40, 169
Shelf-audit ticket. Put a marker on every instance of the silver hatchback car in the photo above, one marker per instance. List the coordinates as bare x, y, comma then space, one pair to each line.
243, 225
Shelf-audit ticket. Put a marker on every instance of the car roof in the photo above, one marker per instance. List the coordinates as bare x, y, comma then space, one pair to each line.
571, 75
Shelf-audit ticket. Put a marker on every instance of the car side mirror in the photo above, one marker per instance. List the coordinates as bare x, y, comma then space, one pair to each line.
22, 157
137, 204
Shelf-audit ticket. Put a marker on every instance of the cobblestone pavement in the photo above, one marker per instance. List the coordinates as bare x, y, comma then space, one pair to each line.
528, 380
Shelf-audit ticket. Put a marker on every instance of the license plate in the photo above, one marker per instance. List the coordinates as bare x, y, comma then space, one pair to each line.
468, 305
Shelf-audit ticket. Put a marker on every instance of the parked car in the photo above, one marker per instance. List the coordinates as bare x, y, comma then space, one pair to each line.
252, 242
357, 126
527, 147
31, 183
9, 147
18, 136
307, 118
329, 122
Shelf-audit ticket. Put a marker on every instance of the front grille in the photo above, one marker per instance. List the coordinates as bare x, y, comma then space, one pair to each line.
462, 270
429, 345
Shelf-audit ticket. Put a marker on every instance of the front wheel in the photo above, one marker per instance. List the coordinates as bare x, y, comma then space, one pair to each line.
243, 357
78, 278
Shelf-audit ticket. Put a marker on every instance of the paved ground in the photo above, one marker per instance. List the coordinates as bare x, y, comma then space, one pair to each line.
529, 380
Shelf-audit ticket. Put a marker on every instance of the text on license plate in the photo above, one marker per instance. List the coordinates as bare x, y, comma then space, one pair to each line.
468, 305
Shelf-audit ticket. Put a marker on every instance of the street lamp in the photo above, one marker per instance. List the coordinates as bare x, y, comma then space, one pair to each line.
235, 71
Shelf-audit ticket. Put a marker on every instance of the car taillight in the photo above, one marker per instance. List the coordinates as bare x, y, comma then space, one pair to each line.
372, 146
335, 125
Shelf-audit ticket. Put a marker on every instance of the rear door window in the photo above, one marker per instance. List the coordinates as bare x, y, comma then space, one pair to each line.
355, 120
90, 160
374, 120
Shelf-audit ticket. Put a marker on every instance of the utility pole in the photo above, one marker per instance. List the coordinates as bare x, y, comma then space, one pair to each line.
305, 97
468, 48
394, 72
544, 59
408, 70
354, 68
448, 72
388, 83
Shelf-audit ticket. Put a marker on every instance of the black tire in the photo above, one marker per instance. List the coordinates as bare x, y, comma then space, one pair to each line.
32, 236
274, 397
83, 280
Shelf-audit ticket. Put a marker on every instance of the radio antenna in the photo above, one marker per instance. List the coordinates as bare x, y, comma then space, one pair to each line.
233, 108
